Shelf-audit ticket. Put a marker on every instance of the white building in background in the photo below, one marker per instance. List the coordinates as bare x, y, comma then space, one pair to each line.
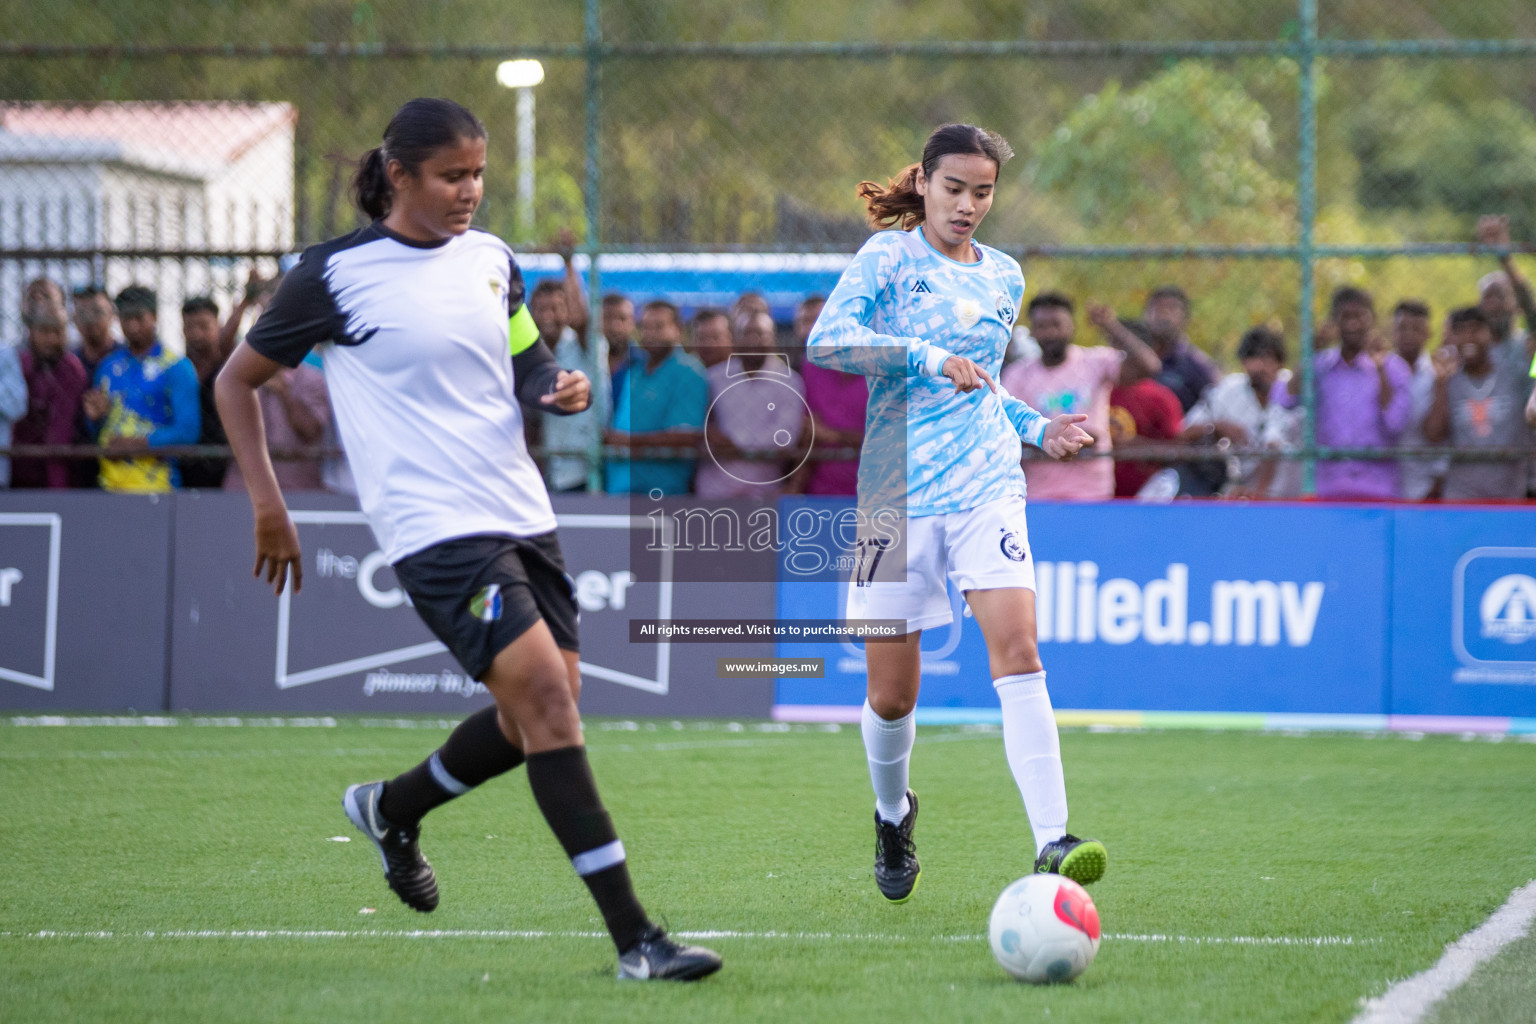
167, 178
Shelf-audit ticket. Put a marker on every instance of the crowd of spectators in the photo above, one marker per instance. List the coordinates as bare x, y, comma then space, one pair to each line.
725, 405
124, 393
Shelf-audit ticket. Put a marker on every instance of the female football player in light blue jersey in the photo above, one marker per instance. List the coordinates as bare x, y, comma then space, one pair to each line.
926, 313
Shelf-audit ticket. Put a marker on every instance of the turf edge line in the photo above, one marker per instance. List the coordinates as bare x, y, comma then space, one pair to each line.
466, 933
1410, 999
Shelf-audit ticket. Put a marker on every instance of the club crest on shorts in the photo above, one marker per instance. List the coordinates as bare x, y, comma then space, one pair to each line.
486, 605
1013, 547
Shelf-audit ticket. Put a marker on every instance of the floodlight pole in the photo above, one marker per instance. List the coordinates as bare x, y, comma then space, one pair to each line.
525, 131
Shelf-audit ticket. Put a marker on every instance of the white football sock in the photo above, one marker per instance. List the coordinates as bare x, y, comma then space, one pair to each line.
888, 745
1034, 754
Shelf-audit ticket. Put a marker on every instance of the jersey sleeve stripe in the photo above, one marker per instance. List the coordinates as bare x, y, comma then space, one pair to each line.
521, 330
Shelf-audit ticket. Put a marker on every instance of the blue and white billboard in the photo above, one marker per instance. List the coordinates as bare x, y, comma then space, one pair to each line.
1464, 612
1301, 609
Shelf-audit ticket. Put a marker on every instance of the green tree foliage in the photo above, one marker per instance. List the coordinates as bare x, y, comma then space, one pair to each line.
1186, 156
1419, 152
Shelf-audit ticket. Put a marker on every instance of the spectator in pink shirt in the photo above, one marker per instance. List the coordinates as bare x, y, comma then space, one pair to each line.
1070, 379
296, 409
55, 381
757, 406
839, 403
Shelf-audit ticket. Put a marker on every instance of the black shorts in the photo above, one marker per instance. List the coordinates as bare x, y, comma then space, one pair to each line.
478, 594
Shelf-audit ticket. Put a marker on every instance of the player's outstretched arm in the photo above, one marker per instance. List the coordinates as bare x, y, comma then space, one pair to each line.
843, 339
967, 374
1063, 437
277, 542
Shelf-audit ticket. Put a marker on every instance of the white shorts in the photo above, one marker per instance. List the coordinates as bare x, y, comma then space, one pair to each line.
982, 548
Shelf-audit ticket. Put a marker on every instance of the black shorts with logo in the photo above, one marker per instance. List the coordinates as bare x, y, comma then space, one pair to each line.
478, 594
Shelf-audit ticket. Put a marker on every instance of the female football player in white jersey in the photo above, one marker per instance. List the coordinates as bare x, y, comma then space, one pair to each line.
926, 312
428, 350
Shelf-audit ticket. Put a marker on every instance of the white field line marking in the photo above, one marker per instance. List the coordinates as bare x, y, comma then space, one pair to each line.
155, 755
715, 933
1410, 999
433, 724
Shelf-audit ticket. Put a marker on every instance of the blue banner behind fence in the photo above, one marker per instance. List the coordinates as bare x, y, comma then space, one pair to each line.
1297, 609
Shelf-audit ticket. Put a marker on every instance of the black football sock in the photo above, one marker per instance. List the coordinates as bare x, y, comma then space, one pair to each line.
477, 751
567, 795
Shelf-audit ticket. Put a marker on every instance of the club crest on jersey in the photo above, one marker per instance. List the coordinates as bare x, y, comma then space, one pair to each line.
486, 605
1005, 307
967, 311
920, 287
1013, 547
498, 288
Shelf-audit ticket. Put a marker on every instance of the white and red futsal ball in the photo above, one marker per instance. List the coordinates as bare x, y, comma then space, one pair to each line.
1044, 928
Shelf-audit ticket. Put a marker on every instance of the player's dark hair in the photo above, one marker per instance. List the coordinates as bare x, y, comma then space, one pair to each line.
1050, 300
87, 291
1349, 295
1411, 307
1169, 291
613, 299
1261, 341
898, 203
709, 313
200, 304
677, 314
816, 299
1469, 315
137, 299
419, 128
548, 286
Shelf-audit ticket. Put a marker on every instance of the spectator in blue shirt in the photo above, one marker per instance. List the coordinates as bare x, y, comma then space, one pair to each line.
661, 404
144, 398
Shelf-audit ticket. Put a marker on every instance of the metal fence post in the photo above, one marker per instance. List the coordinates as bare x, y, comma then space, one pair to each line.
1306, 213
592, 39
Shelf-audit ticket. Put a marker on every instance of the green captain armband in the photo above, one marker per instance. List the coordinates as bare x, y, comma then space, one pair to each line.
1533, 367
521, 331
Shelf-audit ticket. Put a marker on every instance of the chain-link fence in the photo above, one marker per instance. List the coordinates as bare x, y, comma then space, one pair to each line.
1258, 155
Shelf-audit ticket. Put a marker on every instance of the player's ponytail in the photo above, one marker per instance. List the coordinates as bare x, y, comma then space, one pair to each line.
899, 204
418, 129
370, 185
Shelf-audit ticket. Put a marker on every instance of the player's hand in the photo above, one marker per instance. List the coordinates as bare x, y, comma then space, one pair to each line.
255, 287
95, 403
277, 550
1064, 438
1102, 315
968, 376
573, 392
1493, 231
565, 244
1446, 361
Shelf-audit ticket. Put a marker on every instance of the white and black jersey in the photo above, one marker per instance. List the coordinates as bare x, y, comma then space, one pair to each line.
419, 342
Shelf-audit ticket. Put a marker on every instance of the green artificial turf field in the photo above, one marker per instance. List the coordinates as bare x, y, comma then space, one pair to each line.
1253, 877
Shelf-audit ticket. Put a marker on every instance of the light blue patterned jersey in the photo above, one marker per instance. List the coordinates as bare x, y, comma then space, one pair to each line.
898, 312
